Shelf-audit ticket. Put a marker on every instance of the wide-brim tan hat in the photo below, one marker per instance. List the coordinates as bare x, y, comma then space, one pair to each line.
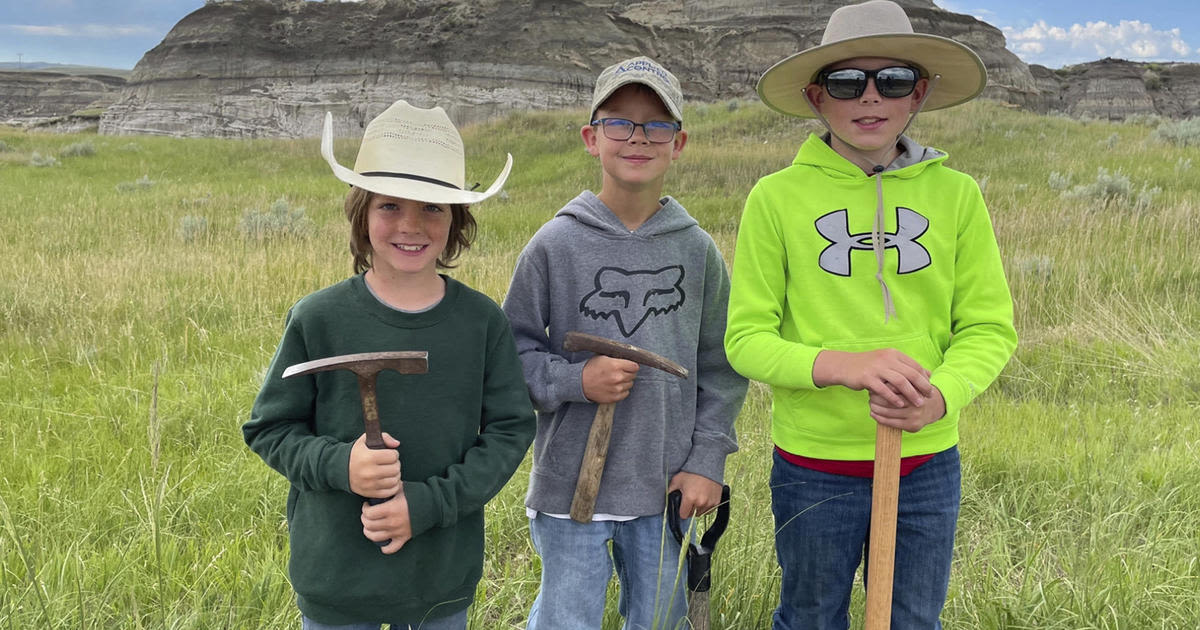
878, 28
411, 153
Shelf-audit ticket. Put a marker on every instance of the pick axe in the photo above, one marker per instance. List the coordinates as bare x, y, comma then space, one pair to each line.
699, 559
885, 494
583, 505
367, 366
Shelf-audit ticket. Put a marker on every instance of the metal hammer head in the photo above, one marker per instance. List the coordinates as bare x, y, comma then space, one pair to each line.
583, 342
367, 366
366, 363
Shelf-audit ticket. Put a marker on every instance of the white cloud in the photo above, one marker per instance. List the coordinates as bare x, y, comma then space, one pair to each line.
1135, 40
92, 31
30, 29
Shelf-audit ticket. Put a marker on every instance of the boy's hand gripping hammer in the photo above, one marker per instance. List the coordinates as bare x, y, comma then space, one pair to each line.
885, 494
367, 366
583, 505
699, 559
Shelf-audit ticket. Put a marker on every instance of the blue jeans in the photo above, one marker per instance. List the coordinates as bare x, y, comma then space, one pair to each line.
822, 523
577, 565
457, 621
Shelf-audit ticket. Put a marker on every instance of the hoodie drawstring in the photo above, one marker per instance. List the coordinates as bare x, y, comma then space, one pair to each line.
878, 245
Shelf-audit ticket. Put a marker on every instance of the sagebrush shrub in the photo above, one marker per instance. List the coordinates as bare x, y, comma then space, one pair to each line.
1040, 268
1145, 120
1145, 198
78, 149
279, 221
142, 183
37, 159
1058, 181
1107, 187
192, 228
1185, 133
1113, 187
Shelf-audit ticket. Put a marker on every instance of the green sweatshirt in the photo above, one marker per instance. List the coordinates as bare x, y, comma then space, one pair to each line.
463, 429
804, 280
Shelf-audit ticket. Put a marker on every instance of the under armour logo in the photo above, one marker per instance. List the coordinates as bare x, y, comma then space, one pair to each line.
631, 297
835, 227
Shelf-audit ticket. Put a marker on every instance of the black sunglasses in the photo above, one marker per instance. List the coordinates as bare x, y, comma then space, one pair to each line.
890, 82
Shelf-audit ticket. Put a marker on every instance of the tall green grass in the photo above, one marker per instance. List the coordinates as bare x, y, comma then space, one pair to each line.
132, 343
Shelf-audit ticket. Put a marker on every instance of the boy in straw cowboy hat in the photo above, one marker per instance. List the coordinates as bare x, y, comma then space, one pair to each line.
867, 288
460, 430
630, 265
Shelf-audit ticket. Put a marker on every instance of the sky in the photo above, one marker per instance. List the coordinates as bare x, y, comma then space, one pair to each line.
1058, 33
1052, 33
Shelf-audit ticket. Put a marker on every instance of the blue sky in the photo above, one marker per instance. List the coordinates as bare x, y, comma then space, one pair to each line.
1055, 33
115, 33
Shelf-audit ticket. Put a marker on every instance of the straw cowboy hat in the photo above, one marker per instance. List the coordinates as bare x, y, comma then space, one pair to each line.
411, 153
878, 28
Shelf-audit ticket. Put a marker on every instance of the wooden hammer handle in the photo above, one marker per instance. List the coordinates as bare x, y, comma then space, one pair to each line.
583, 505
698, 614
885, 494
371, 428
366, 391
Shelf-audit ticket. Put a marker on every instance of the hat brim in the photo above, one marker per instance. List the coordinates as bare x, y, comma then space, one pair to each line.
963, 75
403, 187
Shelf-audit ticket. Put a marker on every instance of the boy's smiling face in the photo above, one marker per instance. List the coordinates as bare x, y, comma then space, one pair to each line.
635, 164
407, 236
870, 123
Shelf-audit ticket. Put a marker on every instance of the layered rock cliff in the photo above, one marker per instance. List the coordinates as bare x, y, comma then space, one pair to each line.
246, 68
30, 97
1114, 89
273, 67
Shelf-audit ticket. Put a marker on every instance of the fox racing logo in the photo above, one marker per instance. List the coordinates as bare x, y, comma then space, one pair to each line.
630, 297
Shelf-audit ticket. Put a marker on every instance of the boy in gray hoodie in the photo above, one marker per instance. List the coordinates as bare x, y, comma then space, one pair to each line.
628, 265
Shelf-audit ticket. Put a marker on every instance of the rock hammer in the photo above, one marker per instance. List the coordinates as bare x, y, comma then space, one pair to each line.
583, 505
367, 366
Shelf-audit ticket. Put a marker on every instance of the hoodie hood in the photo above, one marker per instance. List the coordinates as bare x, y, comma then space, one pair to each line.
590, 211
821, 155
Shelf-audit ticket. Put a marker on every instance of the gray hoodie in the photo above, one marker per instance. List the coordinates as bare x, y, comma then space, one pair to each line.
663, 287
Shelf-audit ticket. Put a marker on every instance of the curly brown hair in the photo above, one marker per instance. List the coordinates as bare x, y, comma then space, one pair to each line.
358, 200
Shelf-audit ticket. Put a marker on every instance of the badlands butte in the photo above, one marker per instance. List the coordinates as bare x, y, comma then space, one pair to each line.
272, 68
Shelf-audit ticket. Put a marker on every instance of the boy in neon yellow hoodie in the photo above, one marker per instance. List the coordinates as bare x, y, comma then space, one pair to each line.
867, 288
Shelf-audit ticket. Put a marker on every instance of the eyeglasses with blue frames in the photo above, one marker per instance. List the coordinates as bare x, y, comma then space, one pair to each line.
890, 82
620, 129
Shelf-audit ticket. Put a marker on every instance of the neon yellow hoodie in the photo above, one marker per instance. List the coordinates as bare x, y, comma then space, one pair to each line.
804, 280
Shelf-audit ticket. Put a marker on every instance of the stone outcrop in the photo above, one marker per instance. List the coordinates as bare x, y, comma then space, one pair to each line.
248, 68
32, 98
273, 67
1114, 89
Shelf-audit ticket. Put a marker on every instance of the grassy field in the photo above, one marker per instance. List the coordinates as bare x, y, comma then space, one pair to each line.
142, 293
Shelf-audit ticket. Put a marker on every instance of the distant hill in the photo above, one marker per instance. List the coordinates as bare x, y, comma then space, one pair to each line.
75, 70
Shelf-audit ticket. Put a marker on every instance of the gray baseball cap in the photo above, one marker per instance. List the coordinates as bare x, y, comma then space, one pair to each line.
642, 70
